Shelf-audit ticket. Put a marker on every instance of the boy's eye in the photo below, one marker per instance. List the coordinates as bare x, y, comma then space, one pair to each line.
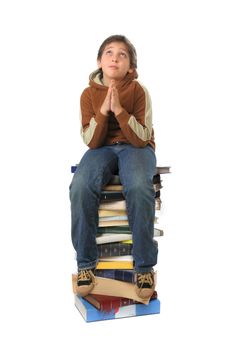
108, 52
122, 54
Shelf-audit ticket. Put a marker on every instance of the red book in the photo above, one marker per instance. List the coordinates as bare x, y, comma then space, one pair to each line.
108, 303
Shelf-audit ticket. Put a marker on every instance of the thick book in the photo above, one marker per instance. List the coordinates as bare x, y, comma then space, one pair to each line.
108, 303
117, 249
107, 286
91, 314
114, 249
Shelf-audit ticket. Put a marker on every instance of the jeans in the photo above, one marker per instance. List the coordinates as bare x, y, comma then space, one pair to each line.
136, 167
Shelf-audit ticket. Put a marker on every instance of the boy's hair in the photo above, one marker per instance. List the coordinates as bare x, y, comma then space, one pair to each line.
123, 39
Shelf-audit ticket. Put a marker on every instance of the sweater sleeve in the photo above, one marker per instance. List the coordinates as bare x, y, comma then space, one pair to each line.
93, 126
137, 127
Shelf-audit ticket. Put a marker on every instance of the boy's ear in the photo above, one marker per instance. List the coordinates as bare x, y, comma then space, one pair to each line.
131, 70
99, 64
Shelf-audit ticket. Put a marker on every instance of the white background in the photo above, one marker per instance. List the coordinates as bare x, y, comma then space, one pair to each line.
185, 55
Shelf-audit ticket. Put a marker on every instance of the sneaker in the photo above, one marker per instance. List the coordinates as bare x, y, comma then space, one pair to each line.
145, 284
85, 282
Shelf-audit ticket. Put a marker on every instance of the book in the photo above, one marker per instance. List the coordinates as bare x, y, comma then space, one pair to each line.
117, 249
114, 229
112, 237
103, 213
107, 286
115, 222
114, 249
157, 187
123, 229
117, 258
115, 217
118, 195
108, 303
120, 275
119, 237
127, 265
91, 314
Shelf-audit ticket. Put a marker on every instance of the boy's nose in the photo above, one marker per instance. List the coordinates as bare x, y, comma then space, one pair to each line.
114, 59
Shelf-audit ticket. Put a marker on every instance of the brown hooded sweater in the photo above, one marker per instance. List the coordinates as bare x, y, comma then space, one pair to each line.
133, 125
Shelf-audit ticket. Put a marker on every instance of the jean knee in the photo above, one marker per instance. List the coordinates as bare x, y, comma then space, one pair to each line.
79, 187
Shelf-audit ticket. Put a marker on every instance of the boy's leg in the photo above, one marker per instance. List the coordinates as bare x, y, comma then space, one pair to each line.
94, 171
137, 166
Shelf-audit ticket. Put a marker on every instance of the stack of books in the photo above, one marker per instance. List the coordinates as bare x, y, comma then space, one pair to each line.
114, 293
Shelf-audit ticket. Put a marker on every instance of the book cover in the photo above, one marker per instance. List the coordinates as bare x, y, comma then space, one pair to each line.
91, 314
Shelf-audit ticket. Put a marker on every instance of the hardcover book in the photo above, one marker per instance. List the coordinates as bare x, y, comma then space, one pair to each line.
120, 275
91, 314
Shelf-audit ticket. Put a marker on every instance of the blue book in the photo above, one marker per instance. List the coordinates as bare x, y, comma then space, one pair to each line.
91, 314
120, 275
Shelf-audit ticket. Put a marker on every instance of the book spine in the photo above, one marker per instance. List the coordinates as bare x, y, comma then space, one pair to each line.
120, 275
114, 249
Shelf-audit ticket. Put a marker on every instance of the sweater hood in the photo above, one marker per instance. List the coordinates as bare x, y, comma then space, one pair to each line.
95, 79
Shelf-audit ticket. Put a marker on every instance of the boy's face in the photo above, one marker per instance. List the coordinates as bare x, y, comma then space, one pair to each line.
115, 62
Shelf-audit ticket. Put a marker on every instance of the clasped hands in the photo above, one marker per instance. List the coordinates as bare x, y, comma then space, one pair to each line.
111, 102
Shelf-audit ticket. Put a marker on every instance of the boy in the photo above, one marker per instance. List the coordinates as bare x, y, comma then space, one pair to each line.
116, 124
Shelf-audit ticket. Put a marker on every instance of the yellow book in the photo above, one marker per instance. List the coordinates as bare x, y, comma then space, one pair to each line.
103, 213
115, 265
114, 223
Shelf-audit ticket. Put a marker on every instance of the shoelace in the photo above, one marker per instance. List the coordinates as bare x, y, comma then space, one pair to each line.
85, 275
145, 278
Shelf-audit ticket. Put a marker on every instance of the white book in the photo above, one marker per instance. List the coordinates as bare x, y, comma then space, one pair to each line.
117, 258
113, 237
110, 218
118, 237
